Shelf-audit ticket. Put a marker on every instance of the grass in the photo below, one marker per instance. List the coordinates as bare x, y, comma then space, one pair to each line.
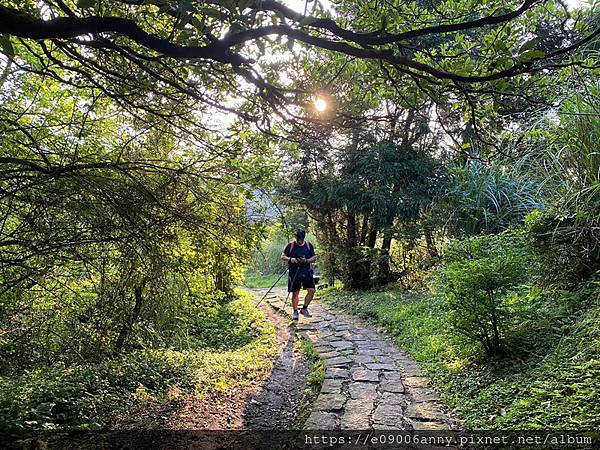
90, 396
314, 380
548, 378
253, 280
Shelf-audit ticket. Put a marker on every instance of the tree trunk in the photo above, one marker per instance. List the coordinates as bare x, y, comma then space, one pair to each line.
126, 329
358, 268
351, 235
384, 264
372, 237
495, 326
431, 249
364, 229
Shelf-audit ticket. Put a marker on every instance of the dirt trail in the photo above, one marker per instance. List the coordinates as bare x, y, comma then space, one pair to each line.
270, 403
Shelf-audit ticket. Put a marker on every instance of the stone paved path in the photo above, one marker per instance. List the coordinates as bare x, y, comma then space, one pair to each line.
369, 382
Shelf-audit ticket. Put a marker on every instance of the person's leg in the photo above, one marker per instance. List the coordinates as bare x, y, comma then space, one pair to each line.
310, 293
294, 286
295, 299
309, 284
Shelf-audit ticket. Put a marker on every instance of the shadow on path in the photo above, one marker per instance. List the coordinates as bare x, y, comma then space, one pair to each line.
276, 406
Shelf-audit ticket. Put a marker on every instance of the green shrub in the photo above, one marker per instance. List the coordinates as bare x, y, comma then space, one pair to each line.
566, 245
90, 396
476, 282
485, 198
548, 381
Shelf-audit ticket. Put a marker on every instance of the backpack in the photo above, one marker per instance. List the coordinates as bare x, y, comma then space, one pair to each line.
294, 243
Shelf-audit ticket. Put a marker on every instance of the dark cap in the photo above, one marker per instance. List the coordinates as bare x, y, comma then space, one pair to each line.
300, 235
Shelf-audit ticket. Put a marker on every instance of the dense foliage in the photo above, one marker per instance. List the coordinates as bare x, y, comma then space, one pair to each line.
138, 138
507, 320
233, 350
548, 379
111, 232
495, 56
367, 190
477, 279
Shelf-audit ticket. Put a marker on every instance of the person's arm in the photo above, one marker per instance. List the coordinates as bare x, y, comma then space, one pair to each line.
286, 258
313, 256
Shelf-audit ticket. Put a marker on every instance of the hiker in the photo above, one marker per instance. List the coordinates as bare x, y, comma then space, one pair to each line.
300, 254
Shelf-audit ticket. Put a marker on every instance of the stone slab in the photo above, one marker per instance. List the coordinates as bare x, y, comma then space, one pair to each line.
336, 372
425, 412
387, 415
392, 375
429, 426
364, 359
380, 366
330, 402
319, 420
332, 386
416, 382
356, 415
391, 386
331, 354
362, 390
393, 399
420, 395
338, 361
365, 375
341, 345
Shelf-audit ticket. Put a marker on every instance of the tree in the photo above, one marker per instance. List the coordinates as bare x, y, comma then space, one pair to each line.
111, 227
358, 196
489, 55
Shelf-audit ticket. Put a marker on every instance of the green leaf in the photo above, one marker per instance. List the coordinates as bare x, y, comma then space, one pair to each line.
384, 22
185, 7
243, 4
6, 45
212, 12
83, 4
530, 55
529, 44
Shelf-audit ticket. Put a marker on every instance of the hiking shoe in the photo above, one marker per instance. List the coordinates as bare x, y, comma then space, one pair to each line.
295, 315
305, 313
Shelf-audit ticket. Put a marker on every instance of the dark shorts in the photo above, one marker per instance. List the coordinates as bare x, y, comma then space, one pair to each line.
303, 279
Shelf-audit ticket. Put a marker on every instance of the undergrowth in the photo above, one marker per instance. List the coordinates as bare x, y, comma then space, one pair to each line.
88, 397
314, 380
547, 377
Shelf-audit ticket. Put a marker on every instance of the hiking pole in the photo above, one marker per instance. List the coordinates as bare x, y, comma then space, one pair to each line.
290, 287
265, 296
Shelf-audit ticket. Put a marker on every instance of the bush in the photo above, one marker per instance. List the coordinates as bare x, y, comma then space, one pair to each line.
482, 198
476, 283
90, 396
566, 245
549, 382
565, 235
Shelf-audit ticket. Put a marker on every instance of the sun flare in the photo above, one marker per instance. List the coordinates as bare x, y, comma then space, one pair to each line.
320, 105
